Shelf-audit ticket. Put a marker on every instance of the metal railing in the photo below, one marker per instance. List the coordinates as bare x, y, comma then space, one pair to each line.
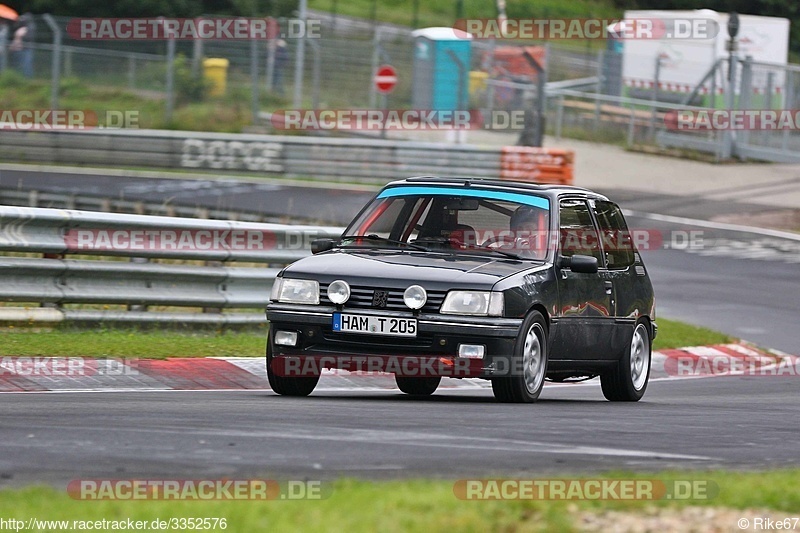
173, 262
365, 160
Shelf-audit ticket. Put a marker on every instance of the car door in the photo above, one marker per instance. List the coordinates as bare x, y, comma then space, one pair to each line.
585, 315
627, 302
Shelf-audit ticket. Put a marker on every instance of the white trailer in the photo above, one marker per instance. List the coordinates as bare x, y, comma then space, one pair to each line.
685, 61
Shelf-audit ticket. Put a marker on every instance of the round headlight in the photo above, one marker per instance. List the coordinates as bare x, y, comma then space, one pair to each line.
339, 292
415, 297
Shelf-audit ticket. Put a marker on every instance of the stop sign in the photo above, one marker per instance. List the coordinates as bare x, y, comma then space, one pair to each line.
385, 79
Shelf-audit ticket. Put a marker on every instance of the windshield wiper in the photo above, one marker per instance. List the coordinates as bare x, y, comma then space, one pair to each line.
378, 238
502, 252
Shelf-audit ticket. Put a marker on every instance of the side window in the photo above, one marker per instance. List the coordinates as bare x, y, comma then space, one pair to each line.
577, 231
617, 241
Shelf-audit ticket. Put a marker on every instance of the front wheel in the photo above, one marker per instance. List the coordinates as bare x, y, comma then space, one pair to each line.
528, 364
417, 386
285, 385
628, 380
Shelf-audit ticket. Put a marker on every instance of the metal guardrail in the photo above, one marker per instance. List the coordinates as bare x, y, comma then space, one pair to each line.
88, 202
346, 159
54, 280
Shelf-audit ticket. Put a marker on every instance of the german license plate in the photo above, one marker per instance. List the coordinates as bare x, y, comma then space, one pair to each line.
374, 325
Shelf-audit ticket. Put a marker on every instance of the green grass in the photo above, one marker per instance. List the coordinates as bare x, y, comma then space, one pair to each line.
161, 344
445, 12
413, 505
675, 334
132, 343
230, 114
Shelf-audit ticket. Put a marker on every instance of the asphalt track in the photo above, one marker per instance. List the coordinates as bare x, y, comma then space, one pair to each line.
732, 422
740, 282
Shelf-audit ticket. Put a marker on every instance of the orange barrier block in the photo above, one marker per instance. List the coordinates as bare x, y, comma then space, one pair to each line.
537, 165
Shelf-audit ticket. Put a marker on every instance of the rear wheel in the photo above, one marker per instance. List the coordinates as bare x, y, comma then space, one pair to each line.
417, 386
628, 380
286, 385
528, 364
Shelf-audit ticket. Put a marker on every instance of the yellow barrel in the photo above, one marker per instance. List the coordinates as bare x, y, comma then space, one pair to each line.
215, 70
477, 81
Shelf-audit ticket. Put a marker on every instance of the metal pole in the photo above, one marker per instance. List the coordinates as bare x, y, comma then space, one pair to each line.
728, 138
598, 90
197, 56
299, 58
315, 75
376, 57
745, 95
271, 46
631, 127
55, 75
170, 78
788, 103
541, 101
559, 115
654, 97
254, 78
770, 89
131, 71
384, 105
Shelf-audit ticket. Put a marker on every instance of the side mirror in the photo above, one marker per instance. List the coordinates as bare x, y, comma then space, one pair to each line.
322, 245
581, 264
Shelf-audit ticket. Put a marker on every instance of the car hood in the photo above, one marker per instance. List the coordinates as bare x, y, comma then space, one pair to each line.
398, 268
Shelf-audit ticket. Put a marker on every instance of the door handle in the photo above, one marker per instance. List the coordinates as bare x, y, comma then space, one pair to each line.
609, 287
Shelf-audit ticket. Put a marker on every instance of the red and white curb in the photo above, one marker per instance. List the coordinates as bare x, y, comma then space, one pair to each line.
31, 374
740, 359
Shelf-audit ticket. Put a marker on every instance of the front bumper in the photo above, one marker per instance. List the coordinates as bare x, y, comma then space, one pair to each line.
434, 350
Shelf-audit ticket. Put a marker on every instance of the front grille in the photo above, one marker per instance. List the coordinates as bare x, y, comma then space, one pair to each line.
362, 298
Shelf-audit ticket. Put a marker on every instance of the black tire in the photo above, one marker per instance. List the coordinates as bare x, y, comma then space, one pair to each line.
288, 386
627, 382
528, 365
417, 386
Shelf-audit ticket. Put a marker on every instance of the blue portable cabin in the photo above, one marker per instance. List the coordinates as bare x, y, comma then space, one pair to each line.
440, 83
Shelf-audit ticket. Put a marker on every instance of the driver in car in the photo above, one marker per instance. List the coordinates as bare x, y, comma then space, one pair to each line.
527, 235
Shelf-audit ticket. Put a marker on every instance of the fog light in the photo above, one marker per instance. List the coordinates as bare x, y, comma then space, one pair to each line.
415, 297
339, 292
286, 338
471, 351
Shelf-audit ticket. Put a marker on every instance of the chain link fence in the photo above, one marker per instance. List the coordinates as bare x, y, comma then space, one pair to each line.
586, 95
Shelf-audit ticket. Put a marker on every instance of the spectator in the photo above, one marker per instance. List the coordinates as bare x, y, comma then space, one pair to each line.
22, 44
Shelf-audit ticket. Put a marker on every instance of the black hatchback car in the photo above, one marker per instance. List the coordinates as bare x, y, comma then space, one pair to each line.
511, 282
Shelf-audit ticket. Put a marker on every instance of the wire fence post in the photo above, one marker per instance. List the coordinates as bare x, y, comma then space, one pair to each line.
315, 83
654, 98
55, 75
376, 58
254, 77
299, 59
270, 70
170, 78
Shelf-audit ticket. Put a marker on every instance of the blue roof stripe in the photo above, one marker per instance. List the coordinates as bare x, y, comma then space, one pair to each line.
526, 199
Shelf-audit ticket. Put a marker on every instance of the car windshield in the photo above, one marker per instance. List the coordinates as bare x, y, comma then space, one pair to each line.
455, 219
